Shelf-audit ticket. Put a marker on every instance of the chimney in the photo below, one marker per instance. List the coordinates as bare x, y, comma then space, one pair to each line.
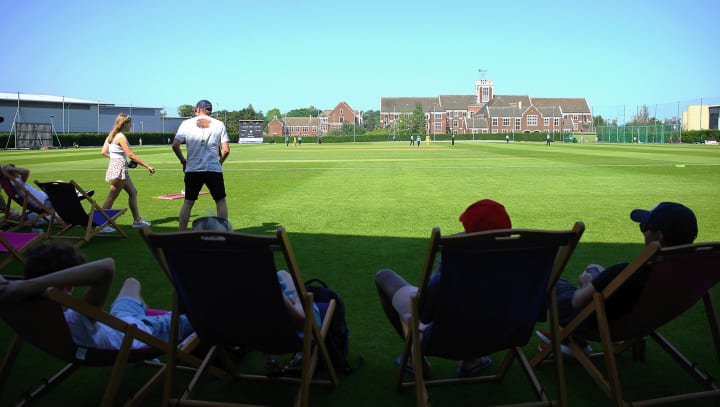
519, 104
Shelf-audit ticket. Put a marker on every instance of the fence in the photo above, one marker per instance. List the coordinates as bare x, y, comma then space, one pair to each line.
656, 134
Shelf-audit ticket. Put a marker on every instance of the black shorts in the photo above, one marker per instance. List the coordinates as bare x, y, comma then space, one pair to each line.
194, 181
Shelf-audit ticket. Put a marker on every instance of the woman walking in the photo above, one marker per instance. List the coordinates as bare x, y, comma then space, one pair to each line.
117, 148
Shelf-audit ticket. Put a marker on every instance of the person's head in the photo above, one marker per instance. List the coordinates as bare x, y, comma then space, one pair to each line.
122, 123
669, 223
214, 223
483, 215
51, 256
203, 107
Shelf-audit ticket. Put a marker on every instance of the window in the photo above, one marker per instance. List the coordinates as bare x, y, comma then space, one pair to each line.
438, 126
474, 131
504, 131
341, 111
455, 123
546, 121
532, 120
495, 131
506, 121
455, 113
517, 123
486, 130
485, 94
438, 116
342, 119
575, 117
556, 121
494, 121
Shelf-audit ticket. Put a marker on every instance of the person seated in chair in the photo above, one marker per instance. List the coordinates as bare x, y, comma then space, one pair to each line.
668, 223
22, 175
287, 286
292, 300
58, 264
395, 293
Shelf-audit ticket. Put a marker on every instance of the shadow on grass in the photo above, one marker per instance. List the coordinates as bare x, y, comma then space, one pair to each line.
348, 263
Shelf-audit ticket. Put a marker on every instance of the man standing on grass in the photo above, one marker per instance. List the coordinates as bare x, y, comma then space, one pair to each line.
208, 146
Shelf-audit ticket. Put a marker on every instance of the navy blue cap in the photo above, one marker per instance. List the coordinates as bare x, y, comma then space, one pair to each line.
205, 105
676, 221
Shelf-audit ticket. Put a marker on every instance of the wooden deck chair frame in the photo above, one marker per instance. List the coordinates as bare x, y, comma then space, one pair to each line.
16, 251
63, 196
678, 278
39, 322
563, 243
210, 245
28, 203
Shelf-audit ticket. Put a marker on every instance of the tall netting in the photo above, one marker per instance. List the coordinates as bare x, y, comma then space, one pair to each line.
655, 134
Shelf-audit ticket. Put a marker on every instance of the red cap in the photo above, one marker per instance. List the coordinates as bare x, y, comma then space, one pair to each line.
483, 215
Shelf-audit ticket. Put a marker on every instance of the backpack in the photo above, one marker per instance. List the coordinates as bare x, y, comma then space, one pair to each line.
337, 340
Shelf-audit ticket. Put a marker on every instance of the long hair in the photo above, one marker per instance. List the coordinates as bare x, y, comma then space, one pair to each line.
120, 122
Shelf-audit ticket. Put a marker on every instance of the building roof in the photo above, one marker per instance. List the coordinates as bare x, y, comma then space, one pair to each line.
456, 102
406, 104
29, 97
568, 105
300, 121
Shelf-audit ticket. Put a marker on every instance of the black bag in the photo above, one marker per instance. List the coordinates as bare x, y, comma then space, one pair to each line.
337, 340
132, 164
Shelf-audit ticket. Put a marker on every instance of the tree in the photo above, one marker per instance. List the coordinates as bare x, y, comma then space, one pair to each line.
304, 112
371, 120
185, 111
642, 118
417, 120
272, 113
599, 121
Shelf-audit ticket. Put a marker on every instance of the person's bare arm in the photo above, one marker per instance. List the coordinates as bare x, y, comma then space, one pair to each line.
224, 152
123, 142
582, 296
178, 152
96, 275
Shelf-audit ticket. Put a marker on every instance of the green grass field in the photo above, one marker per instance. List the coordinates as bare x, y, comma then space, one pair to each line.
352, 209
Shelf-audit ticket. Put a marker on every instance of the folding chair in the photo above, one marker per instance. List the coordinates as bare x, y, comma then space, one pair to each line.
64, 198
239, 273
14, 244
677, 278
494, 287
39, 321
28, 203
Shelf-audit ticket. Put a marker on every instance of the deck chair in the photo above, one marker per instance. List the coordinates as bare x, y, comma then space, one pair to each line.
31, 209
239, 274
64, 198
495, 286
678, 277
39, 321
14, 244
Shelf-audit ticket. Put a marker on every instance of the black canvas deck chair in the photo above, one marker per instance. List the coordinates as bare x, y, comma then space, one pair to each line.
677, 278
494, 287
14, 244
64, 198
39, 321
216, 271
30, 208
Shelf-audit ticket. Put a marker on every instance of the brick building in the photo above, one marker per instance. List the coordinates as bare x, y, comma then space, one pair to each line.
326, 122
486, 112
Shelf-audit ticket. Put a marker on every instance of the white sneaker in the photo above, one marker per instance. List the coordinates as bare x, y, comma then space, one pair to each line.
108, 229
141, 224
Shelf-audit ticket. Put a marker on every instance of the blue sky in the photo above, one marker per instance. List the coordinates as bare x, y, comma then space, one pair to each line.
293, 54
